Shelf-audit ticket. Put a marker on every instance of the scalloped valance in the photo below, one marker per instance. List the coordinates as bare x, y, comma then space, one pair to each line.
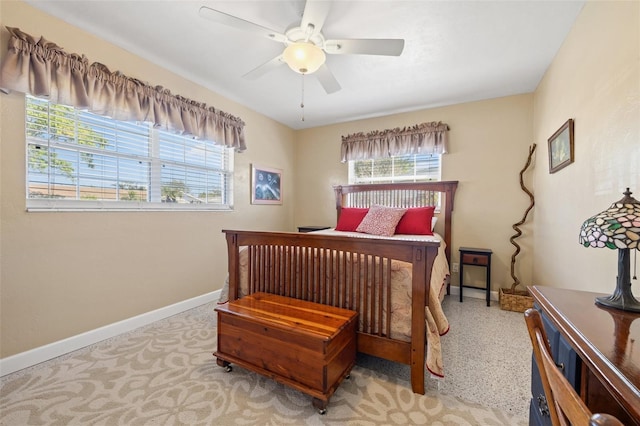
41, 68
425, 138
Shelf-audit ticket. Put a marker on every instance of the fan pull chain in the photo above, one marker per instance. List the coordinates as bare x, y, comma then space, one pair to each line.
302, 99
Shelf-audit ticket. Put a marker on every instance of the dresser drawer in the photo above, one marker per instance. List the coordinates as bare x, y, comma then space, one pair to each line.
475, 259
553, 335
539, 413
539, 410
570, 363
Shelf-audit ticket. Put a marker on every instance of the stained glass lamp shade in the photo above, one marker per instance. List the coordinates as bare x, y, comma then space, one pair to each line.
618, 227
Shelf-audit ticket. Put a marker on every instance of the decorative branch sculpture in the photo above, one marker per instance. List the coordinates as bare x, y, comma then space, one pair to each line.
516, 281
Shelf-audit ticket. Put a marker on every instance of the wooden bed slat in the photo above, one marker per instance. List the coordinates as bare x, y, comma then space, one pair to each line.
367, 286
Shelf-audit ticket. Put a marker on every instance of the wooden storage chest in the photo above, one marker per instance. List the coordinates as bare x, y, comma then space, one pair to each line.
308, 346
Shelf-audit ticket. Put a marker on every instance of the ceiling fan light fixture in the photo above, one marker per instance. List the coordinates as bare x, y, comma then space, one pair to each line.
304, 57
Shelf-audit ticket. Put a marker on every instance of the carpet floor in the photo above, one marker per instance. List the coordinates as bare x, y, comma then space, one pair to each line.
164, 374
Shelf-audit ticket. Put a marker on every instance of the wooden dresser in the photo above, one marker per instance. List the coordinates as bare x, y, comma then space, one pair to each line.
607, 343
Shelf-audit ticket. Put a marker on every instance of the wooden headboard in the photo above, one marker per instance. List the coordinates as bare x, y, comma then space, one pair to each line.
406, 195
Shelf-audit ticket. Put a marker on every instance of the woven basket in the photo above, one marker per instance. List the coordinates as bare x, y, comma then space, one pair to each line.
518, 301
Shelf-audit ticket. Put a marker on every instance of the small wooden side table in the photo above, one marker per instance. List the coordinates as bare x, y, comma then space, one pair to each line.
480, 257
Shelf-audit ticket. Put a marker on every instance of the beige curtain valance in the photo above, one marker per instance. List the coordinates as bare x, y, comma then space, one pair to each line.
41, 68
425, 138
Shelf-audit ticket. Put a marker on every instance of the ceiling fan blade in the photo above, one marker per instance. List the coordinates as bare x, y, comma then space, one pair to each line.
240, 24
365, 46
264, 68
315, 13
327, 80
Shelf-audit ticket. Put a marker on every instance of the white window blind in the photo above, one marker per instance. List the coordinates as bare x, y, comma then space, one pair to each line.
82, 161
409, 168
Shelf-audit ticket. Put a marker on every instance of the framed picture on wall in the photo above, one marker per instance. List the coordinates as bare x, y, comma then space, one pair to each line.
561, 147
266, 185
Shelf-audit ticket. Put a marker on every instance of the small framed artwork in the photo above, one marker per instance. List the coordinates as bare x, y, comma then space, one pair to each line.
266, 185
561, 147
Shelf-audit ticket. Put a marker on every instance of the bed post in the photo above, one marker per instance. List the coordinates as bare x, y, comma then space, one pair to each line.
423, 259
234, 263
339, 200
450, 191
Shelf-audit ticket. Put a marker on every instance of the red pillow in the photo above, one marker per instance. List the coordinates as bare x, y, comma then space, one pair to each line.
350, 218
416, 221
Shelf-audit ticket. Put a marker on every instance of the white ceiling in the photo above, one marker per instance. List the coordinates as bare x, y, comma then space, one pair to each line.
455, 51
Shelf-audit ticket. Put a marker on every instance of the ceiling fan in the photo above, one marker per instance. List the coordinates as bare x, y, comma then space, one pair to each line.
305, 44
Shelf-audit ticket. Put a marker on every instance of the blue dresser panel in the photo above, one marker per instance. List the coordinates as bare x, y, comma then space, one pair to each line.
566, 358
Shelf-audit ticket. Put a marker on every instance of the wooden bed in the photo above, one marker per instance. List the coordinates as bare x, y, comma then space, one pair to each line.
351, 273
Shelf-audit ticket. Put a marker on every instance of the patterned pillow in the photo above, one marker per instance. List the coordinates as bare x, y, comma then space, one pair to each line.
381, 220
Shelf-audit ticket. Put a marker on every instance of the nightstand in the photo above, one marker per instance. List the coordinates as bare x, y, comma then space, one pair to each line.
479, 257
311, 228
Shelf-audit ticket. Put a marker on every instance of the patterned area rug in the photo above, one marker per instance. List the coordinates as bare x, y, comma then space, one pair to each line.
164, 374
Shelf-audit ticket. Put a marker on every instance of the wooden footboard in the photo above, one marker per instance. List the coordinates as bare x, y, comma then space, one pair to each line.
351, 273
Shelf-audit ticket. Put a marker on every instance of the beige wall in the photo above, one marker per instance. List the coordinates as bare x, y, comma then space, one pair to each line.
594, 79
488, 146
62, 273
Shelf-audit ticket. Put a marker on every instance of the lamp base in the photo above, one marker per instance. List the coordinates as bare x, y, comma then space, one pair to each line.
620, 300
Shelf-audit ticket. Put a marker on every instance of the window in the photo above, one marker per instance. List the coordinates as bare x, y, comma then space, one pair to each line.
82, 161
408, 168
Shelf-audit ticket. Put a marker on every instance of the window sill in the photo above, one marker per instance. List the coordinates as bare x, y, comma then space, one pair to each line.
48, 205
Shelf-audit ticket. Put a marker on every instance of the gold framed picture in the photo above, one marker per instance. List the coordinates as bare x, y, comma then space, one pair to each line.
561, 147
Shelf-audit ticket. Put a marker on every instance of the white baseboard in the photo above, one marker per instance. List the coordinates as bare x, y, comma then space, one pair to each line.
52, 350
475, 293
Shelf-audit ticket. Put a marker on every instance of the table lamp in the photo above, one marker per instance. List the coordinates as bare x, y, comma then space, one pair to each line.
618, 227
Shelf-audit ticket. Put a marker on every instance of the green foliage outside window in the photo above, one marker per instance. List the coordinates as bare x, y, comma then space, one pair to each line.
58, 123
